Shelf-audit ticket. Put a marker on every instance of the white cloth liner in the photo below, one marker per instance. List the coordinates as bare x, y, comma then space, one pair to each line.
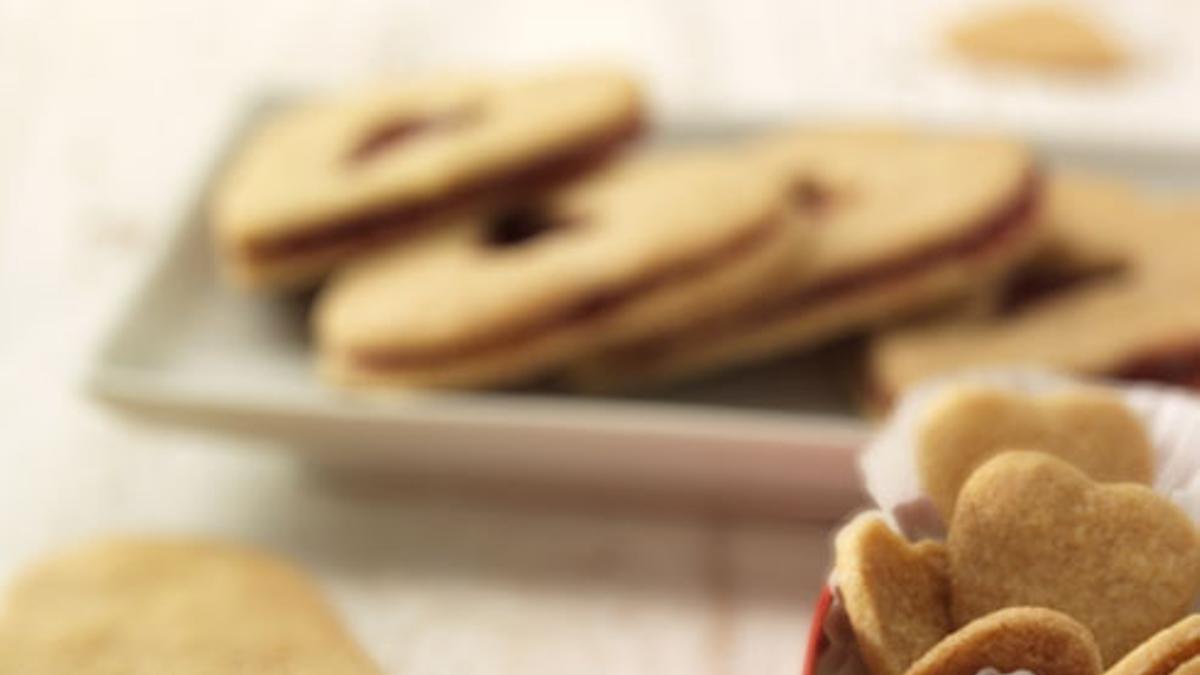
1171, 416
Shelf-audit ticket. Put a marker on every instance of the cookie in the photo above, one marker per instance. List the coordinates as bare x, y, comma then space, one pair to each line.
1191, 667
1032, 530
1086, 222
171, 606
903, 222
1111, 296
1038, 37
1089, 428
895, 593
1030, 639
323, 182
654, 243
1173, 650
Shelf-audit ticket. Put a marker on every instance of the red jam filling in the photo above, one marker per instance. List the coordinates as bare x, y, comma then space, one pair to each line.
588, 308
1008, 221
1177, 365
994, 230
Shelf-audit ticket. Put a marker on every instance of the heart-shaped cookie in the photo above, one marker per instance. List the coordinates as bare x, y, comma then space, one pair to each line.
1173, 650
1032, 530
895, 593
180, 607
1091, 429
1034, 639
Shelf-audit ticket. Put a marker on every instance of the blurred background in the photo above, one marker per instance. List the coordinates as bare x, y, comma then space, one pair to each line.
110, 112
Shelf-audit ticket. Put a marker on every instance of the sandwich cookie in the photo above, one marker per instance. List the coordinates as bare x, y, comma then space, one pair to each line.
125, 606
901, 222
1113, 295
323, 182
649, 245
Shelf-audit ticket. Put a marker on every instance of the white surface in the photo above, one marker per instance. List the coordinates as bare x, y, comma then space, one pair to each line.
109, 107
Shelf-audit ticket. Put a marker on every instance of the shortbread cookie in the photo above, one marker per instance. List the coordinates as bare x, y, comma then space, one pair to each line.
129, 606
1030, 639
1038, 37
1087, 223
903, 222
653, 244
325, 181
1173, 650
1032, 530
1114, 295
1192, 667
895, 593
1089, 428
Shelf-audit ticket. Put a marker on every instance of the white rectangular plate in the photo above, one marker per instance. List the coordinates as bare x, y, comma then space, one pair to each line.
190, 351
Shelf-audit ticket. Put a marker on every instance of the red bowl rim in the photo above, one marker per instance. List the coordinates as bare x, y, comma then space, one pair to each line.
816, 630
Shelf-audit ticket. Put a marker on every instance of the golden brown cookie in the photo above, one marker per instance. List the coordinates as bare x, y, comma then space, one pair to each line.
1089, 428
655, 243
892, 237
1111, 295
325, 181
1038, 37
1032, 530
1191, 667
1169, 651
895, 593
1033, 639
127, 606
1172, 650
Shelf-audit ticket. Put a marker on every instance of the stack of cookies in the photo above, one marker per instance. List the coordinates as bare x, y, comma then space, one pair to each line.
489, 231
1111, 291
1058, 557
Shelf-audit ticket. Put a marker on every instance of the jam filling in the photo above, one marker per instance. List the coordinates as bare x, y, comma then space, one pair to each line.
1008, 221
586, 309
381, 224
1177, 365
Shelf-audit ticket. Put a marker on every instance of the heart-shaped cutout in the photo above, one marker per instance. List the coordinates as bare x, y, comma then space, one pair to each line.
1032, 639
1032, 530
1091, 429
895, 593
180, 607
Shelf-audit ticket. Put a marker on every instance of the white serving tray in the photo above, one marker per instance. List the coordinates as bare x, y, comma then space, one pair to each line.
190, 351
